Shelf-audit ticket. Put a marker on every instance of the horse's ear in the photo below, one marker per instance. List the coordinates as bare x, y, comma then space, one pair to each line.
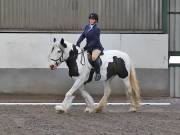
62, 43
54, 40
62, 40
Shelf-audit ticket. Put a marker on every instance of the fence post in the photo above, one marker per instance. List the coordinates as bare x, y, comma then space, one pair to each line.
165, 8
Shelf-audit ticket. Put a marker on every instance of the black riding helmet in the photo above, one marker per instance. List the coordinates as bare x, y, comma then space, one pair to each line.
93, 16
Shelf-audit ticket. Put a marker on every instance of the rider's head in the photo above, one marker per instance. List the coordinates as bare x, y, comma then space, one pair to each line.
93, 18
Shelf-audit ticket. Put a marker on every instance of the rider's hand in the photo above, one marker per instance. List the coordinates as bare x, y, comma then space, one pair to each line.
85, 48
78, 45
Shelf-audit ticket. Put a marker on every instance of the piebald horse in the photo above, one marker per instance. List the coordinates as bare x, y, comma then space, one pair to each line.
114, 63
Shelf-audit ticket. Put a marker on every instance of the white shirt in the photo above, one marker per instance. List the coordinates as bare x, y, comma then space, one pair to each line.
91, 26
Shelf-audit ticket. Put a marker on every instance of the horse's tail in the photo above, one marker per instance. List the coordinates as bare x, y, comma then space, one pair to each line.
135, 86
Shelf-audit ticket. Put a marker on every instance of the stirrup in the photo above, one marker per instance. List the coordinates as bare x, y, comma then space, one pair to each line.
97, 77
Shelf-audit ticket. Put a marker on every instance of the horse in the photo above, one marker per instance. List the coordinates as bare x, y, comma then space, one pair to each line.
114, 62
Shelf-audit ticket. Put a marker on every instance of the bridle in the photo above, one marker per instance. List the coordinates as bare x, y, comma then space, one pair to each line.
60, 59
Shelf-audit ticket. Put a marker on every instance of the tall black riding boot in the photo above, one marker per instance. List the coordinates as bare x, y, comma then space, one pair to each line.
97, 65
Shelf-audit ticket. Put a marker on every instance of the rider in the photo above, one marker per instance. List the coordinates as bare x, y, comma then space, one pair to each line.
94, 47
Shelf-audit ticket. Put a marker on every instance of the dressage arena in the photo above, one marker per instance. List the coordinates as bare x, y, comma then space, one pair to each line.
42, 120
115, 120
35, 100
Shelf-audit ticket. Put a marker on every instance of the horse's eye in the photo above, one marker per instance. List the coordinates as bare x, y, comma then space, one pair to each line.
52, 49
59, 51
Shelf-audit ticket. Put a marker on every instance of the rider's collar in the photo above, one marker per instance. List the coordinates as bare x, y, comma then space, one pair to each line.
92, 25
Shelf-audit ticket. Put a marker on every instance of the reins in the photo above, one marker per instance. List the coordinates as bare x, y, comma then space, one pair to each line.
70, 58
82, 57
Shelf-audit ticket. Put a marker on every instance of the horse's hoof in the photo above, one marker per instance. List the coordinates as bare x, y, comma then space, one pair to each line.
89, 110
132, 109
59, 110
99, 109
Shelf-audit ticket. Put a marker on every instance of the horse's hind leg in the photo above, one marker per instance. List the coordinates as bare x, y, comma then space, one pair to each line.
107, 91
129, 93
88, 99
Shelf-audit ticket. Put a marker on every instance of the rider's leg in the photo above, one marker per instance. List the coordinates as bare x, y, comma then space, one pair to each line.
96, 61
95, 54
88, 99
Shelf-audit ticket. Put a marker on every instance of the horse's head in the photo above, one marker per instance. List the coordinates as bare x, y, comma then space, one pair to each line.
59, 53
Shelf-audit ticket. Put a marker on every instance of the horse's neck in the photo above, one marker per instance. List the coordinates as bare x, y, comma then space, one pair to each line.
75, 62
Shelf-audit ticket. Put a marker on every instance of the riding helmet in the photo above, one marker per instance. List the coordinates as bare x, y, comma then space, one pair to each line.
93, 16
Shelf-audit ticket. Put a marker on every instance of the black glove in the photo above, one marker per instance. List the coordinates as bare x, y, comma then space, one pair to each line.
78, 45
85, 48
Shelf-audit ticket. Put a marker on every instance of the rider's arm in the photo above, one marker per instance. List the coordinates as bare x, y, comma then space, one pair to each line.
81, 38
97, 36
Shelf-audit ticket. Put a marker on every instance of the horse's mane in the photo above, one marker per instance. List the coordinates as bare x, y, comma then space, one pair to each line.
69, 43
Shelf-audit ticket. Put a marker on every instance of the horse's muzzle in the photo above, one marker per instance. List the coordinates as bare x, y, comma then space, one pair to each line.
53, 67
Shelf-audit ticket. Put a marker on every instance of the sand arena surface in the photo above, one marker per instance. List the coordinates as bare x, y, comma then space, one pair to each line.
115, 120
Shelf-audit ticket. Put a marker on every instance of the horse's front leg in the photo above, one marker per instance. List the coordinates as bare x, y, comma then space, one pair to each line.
88, 99
67, 102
